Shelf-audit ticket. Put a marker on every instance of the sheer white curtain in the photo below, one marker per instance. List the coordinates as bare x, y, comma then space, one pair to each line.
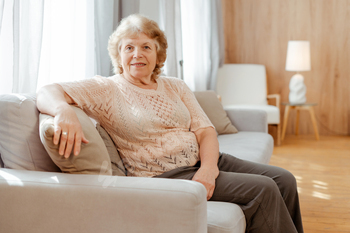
46, 41
67, 52
104, 24
75, 36
202, 40
196, 43
6, 46
20, 20
170, 23
217, 44
2, 3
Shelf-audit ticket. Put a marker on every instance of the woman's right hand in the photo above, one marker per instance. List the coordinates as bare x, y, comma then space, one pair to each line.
68, 132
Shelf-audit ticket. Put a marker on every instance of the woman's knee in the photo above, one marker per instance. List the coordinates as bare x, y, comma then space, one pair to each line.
268, 184
288, 178
286, 182
269, 193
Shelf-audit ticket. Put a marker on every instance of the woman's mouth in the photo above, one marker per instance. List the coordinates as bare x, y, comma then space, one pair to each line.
138, 64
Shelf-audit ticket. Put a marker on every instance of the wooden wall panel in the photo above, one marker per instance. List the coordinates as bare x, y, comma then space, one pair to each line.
258, 31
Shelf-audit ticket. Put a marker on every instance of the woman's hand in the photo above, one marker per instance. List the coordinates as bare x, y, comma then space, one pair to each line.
207, 176
52, 100
68, 132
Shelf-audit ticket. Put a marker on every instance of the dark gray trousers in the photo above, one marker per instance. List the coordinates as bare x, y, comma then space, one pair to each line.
267, 195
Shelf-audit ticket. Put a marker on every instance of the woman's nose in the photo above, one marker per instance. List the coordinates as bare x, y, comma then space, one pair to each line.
137, 53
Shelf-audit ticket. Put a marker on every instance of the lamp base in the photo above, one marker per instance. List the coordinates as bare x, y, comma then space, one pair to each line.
297, 90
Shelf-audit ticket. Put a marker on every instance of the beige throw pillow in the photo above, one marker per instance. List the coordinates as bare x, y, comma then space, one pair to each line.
118, 168
93, 158
211, 105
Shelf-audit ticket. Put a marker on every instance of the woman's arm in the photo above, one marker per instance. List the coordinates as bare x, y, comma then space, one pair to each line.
52, 100
206, 138
209, 155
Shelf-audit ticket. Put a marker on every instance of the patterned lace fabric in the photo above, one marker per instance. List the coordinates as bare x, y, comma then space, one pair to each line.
153, 129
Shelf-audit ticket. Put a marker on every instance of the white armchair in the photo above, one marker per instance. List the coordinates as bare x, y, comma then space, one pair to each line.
244, 86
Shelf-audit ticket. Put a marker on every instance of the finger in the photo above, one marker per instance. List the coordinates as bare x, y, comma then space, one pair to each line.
69, 145
77, 144
83, 138
63, 141
56, 135
210, 194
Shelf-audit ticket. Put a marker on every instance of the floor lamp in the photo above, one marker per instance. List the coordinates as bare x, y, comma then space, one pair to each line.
298, 59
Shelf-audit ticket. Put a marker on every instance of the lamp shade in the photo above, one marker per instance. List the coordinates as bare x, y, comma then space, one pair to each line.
298, 56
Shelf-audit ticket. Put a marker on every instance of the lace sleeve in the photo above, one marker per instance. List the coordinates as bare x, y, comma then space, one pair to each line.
90, 94
199, 119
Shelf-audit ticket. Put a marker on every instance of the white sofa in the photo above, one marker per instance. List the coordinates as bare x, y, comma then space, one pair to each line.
37, 199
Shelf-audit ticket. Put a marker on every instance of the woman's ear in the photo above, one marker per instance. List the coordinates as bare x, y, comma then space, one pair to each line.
120, 69
158, 61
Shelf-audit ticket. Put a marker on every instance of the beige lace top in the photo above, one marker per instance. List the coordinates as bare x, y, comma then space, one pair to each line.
153, 129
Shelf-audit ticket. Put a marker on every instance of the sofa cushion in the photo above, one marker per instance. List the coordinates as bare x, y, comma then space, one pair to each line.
225, 217
20, 145
252, 146
93, 157
118, 168
1, 162
213, 108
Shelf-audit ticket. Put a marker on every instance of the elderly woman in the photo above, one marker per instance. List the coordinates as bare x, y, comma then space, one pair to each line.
161, 131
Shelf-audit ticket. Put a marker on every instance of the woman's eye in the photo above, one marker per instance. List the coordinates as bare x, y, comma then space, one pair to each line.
128, 48
147, 47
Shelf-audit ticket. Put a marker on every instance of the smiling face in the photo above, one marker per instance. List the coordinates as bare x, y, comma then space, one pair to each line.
138, 57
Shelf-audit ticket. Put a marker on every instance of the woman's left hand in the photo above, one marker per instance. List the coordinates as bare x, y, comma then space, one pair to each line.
207, 176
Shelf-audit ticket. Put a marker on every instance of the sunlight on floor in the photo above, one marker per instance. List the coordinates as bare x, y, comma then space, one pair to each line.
321, 195
299, 179
321, 169
320, 185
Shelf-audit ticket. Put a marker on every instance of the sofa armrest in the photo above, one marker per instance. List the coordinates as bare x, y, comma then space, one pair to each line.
33, 201
248, 119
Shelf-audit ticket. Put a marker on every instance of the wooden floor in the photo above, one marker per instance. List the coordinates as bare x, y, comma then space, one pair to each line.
322, 169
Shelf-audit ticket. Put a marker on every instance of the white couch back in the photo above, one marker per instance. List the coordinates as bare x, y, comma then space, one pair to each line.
20, 145
242, 84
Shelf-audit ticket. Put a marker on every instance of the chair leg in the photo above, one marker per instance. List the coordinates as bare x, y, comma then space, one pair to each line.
278, 134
